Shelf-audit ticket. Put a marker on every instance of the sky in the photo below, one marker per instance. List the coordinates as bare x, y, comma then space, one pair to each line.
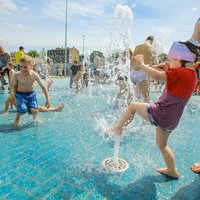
36, 24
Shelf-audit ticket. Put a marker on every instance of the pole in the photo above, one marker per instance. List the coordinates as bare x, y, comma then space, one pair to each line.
65, 37
83, 45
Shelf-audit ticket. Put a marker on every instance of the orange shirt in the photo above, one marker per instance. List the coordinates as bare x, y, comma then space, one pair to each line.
197, 65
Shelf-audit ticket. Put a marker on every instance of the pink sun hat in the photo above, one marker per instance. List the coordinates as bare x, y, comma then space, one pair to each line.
181, 52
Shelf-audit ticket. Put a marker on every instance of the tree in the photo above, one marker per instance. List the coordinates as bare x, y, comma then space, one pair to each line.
98, 53
33, 53
162, 57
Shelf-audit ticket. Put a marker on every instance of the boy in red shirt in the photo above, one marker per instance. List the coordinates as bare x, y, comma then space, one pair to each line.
165, 114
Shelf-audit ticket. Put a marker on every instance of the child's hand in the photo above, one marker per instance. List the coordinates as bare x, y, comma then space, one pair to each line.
3, 68
48, 104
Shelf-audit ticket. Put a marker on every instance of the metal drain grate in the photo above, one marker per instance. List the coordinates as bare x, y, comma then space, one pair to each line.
121, 166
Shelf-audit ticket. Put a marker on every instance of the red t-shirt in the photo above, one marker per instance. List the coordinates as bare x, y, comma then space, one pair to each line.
181, 82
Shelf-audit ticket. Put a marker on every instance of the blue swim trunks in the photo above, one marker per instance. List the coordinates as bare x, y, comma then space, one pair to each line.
26, 101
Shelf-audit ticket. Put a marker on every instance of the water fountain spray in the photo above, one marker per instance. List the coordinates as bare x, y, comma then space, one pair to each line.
120, 39
43, 57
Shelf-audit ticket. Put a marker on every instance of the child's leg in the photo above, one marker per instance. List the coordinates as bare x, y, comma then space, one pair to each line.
144, 89
8, 101
17, 119
127, 117
54, 109
193, 43
34, 112
196, 33
49, 83
161, 141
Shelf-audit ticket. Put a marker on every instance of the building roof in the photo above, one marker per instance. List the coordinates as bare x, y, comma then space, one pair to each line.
61, 48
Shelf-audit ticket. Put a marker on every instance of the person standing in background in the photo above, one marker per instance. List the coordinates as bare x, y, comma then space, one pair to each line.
74, 69
61, 67
5, 58
140, 78
18, 55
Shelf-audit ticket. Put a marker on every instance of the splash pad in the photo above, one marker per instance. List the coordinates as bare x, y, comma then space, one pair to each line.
115, 166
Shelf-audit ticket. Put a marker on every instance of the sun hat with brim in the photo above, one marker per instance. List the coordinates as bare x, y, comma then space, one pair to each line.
181, 52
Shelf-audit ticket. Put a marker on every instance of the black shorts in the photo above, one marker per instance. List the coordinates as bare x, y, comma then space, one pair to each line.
4, 72
96, 73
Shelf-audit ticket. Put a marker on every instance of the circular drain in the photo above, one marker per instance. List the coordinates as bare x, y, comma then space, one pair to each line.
121, 166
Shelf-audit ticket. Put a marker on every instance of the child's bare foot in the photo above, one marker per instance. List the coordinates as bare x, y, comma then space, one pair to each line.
117, 130
17, 122
172, 173
60, 107
6, 113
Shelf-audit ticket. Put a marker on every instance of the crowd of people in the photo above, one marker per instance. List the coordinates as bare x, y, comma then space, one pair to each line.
180, 73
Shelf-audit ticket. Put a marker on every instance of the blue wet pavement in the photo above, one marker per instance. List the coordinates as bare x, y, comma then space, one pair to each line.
61, 157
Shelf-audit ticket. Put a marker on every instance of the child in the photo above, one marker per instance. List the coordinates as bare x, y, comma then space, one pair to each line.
166, 112
48, 75
22, 89
78, 78
86, 76
74, 70
123, 89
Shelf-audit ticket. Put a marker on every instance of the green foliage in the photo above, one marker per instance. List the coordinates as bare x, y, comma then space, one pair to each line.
98, 53
162, 57
113, 57
33, 53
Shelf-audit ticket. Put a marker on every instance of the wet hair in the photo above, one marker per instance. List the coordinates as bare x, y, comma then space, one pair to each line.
79, 67
130, 52
184, 62
49, 60
27, 59
150, 38
122, 78
11, 64
21, 48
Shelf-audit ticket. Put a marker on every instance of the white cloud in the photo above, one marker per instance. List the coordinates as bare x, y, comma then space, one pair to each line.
7, 6
13, 27
133, 5
194, 9
94, 20
56, 9
2, 41
166, 31
24, 9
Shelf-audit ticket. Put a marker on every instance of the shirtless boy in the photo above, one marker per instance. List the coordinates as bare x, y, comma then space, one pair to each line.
23, 90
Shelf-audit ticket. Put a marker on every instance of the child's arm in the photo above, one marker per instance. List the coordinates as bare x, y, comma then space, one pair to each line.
162, 66
158, 75
77, 77
14, 83
44, 89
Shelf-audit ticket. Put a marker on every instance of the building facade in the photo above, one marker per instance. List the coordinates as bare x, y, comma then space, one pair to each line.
58, 55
